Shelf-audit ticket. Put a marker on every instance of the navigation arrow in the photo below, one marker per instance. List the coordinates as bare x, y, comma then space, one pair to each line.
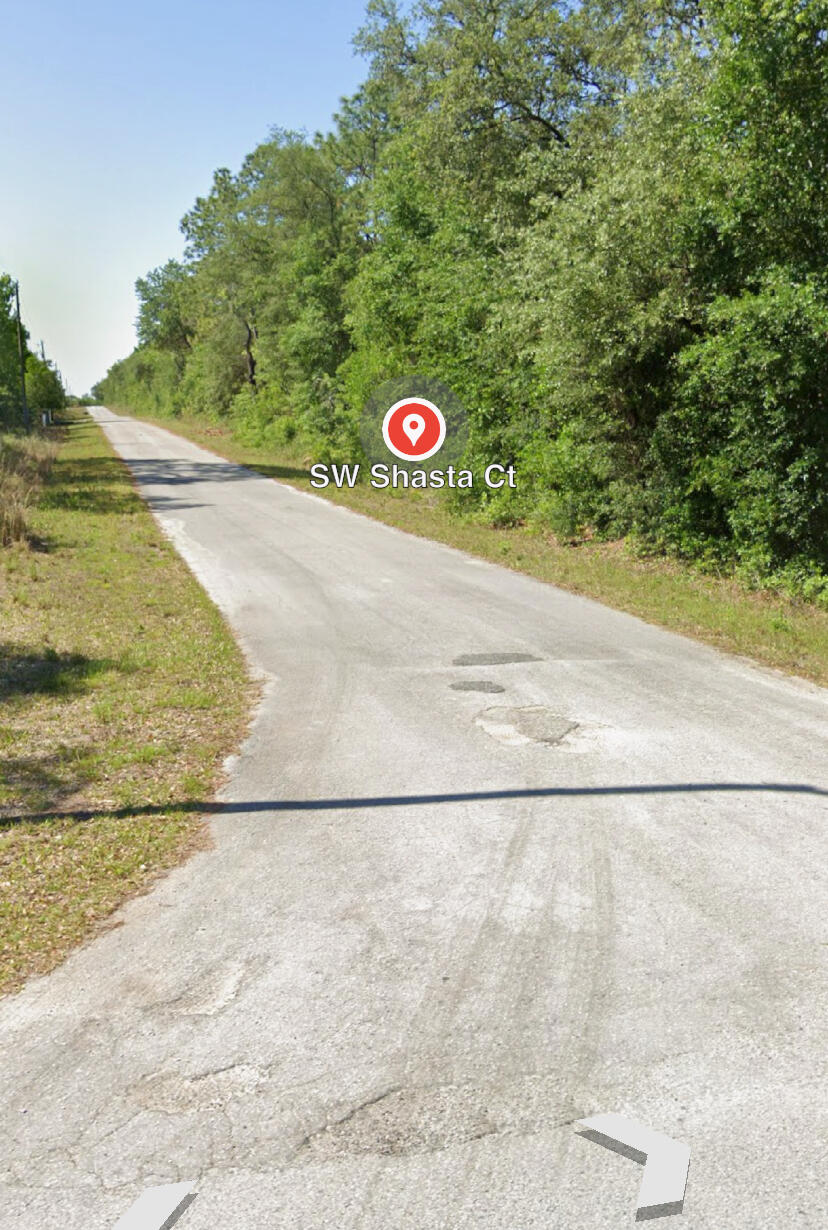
666, 1161
158, 1208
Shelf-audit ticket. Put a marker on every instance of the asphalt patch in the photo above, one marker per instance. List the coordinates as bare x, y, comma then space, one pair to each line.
493, 659
477, 685
532, 724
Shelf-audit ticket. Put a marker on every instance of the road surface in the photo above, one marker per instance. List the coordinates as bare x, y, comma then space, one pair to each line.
455, 903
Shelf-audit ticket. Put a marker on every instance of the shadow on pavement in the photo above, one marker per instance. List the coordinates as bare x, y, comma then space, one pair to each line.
218, 808
154, 474
175, 471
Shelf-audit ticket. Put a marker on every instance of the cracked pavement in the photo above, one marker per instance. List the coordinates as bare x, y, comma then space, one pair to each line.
438, 926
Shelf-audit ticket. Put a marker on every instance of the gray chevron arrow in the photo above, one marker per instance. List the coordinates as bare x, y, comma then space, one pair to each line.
666, 1161
158, 1208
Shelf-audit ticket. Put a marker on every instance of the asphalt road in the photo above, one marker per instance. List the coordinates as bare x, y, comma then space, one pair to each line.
440, 924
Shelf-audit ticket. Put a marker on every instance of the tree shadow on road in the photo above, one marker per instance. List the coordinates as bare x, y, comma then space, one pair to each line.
153, 474
281, 471
180, 470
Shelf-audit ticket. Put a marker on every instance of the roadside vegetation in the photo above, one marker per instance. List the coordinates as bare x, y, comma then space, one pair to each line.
603, 225
44, 386
787, 633
24, 463
121, 691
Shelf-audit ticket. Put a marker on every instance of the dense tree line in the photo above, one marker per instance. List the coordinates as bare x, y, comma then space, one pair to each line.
43, 384
603, 224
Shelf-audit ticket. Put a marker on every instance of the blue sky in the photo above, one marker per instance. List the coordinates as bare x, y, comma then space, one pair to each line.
116, 116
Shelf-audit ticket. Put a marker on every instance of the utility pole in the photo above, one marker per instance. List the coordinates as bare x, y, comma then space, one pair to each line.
21, 350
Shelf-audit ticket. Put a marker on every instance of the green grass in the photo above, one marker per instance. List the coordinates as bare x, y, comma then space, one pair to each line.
121, 691
789, 635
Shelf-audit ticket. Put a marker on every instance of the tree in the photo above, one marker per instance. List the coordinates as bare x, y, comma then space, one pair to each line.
163, 308
603, 224
43, 385
10, 405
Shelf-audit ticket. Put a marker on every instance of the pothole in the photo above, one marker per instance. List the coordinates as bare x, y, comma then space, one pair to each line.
531, 724
477, 685
492, 659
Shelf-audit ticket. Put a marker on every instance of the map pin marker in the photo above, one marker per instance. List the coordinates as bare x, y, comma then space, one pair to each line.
413, 425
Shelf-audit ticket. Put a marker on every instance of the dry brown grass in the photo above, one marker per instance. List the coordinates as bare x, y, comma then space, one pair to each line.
25, 461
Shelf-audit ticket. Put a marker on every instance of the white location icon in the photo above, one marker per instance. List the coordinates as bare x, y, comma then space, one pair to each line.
413, 425
407, 422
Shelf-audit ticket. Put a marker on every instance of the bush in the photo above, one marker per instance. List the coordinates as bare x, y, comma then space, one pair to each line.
740, 464
259, 418
566, 481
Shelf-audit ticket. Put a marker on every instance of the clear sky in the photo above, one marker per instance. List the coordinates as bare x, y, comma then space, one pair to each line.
115, 117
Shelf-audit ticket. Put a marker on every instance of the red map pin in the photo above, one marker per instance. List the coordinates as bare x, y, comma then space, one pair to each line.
414, 429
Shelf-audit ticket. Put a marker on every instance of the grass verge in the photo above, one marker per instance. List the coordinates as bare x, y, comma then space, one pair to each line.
789, 635
121, 691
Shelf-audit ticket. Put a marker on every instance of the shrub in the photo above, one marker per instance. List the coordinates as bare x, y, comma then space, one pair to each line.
740, 464
566, 481
259, 417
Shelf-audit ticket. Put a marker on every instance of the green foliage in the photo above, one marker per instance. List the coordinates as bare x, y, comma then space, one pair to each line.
10, 403
163, 313
740, 460
767, 125
260, 419
43, 386
145, 382
602, 225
